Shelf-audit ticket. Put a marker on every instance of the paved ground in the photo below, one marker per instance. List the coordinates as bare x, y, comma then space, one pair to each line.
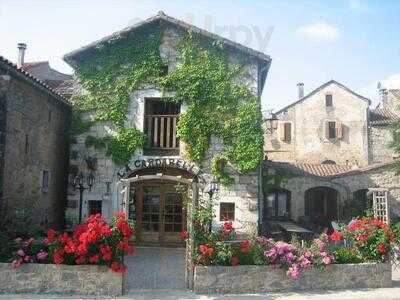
158, 274
155, 268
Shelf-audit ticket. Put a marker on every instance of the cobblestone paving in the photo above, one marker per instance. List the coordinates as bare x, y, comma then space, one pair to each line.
155, 268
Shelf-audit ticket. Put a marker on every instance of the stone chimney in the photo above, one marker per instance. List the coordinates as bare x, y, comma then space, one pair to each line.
383, 96
21, 54
300, 88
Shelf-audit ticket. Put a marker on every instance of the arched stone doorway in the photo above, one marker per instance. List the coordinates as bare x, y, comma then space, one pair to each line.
321, 206
157, 203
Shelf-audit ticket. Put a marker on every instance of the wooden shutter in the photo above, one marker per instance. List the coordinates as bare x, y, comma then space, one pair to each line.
282, 131
327, 130
339, 130
288, 132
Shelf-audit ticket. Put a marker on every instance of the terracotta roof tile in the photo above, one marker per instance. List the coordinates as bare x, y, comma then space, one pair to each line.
382, 116
33, 80
395, 93
321, 170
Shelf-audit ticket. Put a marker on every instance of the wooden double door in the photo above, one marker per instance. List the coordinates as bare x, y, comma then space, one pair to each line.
159, 213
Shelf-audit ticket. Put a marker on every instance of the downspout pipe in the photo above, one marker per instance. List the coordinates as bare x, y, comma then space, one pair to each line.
260, 85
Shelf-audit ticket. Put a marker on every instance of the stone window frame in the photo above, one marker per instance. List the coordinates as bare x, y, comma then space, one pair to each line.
284, 135
229, 212
45, 180
329, 100
288, 204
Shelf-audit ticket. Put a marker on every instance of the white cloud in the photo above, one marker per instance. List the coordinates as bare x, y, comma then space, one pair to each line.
391, 82
371, 90
319, 31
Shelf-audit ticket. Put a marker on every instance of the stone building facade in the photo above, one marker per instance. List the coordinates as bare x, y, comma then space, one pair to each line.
151, 176
325, 152
33, 149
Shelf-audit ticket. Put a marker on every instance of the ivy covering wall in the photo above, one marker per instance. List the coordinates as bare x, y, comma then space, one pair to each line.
218, 104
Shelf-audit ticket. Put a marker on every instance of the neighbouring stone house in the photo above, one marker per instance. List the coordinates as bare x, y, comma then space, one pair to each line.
34, 142
325, 152
146, 186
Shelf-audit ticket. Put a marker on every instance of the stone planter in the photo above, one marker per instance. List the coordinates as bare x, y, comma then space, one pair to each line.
269, 279
60, 279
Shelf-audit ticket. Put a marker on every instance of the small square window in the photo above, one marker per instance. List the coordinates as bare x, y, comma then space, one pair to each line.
328, 101
26, 144
227, 211
45, 181
94, 207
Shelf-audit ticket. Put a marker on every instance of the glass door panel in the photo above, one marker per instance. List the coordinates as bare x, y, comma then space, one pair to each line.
151, 208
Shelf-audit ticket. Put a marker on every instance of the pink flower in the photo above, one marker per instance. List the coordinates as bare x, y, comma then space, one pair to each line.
16, 263
27, 258
288, 257
271, 253
294, 271
29, 242
41, 255
21, 253
308, 254
326, 260
319, 243
305, 262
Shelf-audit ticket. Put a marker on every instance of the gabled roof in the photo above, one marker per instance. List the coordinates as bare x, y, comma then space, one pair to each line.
321, 88
382, 116
44, 72
12, 69
161, 16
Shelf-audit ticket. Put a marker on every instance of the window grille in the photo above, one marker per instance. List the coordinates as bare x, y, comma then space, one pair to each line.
380, 204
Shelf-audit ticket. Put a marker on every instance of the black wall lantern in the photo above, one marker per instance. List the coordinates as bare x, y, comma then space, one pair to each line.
82, 183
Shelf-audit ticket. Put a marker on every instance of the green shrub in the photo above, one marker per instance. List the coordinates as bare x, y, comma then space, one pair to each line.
347, 256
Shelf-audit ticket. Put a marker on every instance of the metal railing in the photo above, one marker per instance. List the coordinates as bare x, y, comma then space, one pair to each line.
161, 131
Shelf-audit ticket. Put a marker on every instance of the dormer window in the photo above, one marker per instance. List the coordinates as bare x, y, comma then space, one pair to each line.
328, 100
160, 119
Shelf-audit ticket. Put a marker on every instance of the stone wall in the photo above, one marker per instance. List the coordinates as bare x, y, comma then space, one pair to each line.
36, 140
380, 138
379, 176
269, 279
382, 177
308, 139
60, 279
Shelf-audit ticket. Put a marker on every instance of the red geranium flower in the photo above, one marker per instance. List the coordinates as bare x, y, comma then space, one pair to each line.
336, 236
245, 246
51, 235
80, 260
94, 259
184, 235
234, 260
203, 249
228, 227
382, 248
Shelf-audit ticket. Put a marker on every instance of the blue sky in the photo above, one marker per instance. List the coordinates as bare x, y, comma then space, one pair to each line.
352, 41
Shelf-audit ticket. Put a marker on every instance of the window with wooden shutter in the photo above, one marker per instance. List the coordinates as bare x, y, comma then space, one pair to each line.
285, 131
330, 130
